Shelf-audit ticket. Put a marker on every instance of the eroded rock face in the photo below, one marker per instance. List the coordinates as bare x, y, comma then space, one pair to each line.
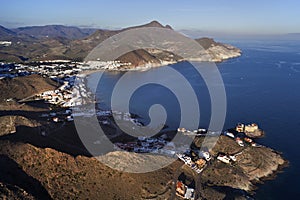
259, 162
217, 51
223, 52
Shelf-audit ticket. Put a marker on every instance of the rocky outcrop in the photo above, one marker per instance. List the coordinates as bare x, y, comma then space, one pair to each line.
253, 165
9, 124
223, 52
258, 163
218, 51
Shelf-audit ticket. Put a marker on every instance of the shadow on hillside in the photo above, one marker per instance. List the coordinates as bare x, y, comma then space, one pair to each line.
232, 193
12, 174
63, 140
27, 114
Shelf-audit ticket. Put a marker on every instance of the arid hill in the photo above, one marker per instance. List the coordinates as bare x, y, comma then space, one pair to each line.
142, 57
64, 176
22, 87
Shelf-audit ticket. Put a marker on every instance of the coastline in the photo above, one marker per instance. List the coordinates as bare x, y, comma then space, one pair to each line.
150, 65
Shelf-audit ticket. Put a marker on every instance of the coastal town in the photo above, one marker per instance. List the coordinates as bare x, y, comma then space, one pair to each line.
149, 100
72, 93
58, 70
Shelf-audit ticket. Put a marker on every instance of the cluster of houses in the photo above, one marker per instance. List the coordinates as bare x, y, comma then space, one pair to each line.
204, 156
240, 140
61, 116
228, 159
52, 70
156, 145
61, 96
56, 68
103, 65
184, 191
250, 128
197, 132
198, 165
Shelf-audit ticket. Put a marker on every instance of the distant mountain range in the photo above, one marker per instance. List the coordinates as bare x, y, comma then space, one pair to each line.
72, 43
53, 31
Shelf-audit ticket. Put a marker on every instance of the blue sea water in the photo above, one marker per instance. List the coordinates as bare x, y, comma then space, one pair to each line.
263, 86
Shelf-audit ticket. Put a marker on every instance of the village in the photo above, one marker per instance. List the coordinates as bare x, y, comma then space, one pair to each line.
56, 69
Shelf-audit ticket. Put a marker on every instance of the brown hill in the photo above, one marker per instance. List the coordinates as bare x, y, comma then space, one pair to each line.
138, 57
153, 57
67, 177
80, 48
22, 87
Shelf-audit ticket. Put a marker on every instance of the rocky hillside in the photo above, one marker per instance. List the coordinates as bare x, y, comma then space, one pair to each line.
71, 43
218, 51
153, 57
253, 164
62, 176
22, 87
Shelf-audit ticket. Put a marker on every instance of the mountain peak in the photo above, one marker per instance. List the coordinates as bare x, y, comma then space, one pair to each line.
155, 23
6, 34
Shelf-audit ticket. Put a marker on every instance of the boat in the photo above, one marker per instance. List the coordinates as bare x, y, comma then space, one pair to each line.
240, 142
226, 133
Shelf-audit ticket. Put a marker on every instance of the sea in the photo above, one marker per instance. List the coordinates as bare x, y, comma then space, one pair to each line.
262, 86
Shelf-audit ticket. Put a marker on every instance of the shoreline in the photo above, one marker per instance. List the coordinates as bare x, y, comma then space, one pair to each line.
149, 66
270, 177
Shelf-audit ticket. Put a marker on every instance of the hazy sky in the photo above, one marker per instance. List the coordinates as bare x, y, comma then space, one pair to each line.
229, 16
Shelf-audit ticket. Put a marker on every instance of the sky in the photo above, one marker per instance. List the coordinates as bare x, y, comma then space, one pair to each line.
218, 16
